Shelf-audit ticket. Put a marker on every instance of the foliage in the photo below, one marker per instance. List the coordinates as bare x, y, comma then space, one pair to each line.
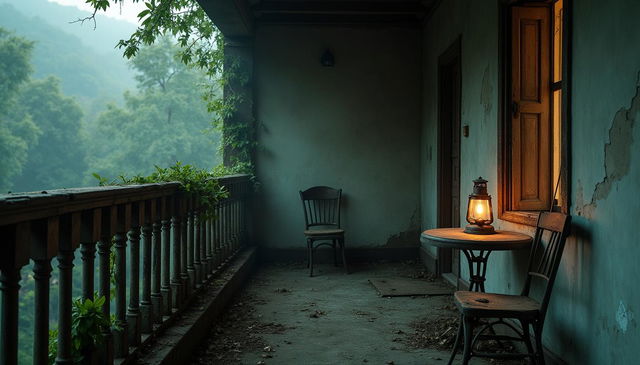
58, 159
202, 46
196, 182
84, 60
164, 122
17, 131
87, 323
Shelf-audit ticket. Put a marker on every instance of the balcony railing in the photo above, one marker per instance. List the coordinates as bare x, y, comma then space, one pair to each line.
173, 250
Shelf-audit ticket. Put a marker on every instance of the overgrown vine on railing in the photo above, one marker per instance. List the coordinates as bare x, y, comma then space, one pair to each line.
198, 183
202, 46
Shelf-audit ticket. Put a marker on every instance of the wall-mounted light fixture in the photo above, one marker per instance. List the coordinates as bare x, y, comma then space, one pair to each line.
327, 59
479, 212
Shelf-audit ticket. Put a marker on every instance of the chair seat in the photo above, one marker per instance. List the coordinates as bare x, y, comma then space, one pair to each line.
491, 305
324, 232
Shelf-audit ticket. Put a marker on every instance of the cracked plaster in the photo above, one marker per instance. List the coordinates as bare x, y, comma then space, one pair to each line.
617, 156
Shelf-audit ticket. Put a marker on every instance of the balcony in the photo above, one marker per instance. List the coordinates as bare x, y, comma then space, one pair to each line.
374, 122
155, 251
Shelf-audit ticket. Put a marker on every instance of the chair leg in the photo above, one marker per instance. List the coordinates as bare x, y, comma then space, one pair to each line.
344, 257
468, 335
537, 329
308, 252
456, 344
310, 258
335, 255
527, 339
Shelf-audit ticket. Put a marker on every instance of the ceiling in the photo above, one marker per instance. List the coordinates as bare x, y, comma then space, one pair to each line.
236, 18
343, 11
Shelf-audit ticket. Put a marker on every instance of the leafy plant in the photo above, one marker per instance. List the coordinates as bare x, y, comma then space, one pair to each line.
87, 324
199, 183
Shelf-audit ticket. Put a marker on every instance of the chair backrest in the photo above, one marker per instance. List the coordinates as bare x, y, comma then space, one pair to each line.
552, 230
321, 206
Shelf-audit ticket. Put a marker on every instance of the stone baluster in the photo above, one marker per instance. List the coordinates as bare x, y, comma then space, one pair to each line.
44, 245
120, 333
166, 255
133, 310
14, 256
184, 233
156, 255
191, 270
197, 263
176, 243
146, 308
69, 239
104, 251
90, 235
208, 254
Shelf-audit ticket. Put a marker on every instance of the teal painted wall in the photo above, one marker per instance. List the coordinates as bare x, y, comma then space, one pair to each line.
593, 318
355, 126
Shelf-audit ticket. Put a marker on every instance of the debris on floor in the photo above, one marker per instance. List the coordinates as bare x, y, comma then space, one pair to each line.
240, 330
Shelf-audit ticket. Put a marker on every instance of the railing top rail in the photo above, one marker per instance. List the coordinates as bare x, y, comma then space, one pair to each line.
233, 178
19, 207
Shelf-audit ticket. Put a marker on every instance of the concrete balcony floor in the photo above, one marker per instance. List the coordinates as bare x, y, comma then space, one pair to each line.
285, 317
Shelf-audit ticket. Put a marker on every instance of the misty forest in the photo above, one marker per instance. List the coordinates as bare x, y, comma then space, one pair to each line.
72, 108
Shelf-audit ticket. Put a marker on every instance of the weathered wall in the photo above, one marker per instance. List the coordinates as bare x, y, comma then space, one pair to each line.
355, 126
593, 318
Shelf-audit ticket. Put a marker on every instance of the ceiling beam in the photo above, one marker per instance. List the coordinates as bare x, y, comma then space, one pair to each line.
339, 12
232, 17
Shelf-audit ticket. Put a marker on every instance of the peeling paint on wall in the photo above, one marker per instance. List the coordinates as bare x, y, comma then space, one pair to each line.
624, 317
617, 155
486, 94
410, 237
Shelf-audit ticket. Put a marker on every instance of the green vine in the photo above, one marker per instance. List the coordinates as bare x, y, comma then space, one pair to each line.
199, 183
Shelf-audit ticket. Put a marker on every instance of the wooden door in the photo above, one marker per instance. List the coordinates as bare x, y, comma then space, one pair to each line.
449, 85
530, 128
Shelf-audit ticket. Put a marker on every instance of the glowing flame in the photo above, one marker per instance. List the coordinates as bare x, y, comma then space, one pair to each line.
479, 210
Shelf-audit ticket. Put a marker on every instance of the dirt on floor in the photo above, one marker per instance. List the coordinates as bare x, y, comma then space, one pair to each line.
239, 330
243, 330
440, 332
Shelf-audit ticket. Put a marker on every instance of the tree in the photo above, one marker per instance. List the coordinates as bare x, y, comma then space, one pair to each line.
17, 131
162, 123
202, 46
57, 160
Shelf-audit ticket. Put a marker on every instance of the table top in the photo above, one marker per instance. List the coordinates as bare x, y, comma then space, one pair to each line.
456, 238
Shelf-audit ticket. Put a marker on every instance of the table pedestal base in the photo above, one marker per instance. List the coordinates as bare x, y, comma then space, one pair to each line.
477, 268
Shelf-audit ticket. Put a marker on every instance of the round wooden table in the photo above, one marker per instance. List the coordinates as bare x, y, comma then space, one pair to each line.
468, 243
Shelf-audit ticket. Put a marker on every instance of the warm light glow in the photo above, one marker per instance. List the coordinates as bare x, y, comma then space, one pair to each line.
479, 209
479, 212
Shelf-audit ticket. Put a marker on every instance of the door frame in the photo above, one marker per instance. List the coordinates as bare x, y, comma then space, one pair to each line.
450, 59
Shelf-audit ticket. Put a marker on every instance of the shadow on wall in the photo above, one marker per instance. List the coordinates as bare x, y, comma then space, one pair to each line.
576, 297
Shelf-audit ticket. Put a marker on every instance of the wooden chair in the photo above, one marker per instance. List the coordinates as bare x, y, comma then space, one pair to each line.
546, 251
322, 222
